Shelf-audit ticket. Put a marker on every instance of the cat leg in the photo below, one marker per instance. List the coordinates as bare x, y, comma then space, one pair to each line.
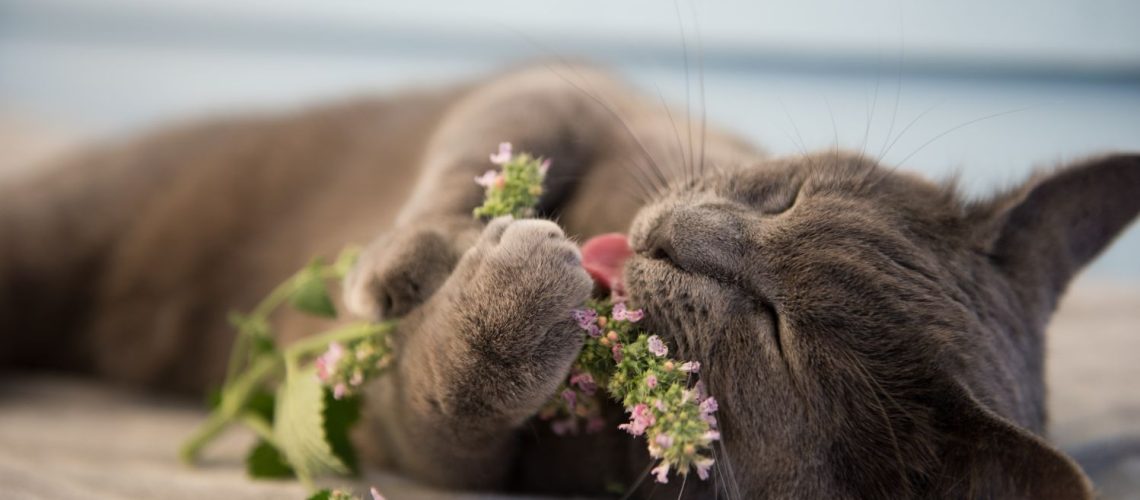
537, 111
480, 357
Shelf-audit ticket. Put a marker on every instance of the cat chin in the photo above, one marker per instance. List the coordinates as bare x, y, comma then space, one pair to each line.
676, 301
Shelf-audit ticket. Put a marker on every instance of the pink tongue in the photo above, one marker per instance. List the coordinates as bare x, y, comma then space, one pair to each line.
603, 257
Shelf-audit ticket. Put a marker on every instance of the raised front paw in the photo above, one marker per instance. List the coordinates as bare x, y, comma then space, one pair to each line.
509, 301
402, 268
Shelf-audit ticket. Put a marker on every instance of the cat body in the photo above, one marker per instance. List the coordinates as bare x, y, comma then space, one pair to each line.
867, 333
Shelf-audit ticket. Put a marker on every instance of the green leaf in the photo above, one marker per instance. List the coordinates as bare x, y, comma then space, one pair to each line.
311, 295
262, 404
321, 495
340, 415
214, 398
299, 426
265, 462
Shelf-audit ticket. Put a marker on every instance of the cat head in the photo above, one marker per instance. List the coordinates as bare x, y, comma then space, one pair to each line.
869, 333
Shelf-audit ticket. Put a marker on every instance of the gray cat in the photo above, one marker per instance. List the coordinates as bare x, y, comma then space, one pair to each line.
868, 334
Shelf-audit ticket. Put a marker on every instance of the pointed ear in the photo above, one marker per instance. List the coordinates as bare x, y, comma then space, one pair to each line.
986, 456
1043, 233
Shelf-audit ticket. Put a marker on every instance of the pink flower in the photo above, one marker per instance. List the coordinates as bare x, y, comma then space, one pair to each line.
711, 435
703, 466
651, 381
339, 390
570, 398
690, 366
544, 167
504, 154
326, 363
659, 404
376, 494
587, 319
584, 382
616, 350
656, 346
565, 426
664, 440
640, 419
709, 405
621, 313
661, 472
488, 179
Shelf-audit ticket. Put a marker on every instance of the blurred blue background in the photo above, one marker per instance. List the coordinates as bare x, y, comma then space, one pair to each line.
986, 89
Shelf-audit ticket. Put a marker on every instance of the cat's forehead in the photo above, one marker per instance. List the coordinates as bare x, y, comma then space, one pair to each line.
838, 176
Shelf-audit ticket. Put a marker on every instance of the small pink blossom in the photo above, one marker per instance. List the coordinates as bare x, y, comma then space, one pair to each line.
563, 427
570, 397
587, 319
659, 404
709, 405
504, 154
703, 465
340, 390
640, 418
376, 494
584, 382
326, 363
651, 381
616, 351
690, 366
544, 167
488, 179
622, 313
664, 440
712, 435
656, 346
661, 472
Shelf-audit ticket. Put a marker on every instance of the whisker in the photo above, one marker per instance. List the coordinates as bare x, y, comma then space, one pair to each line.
688, 93
907, 127
701, 76
676, 133
613, 112
800, 138
962, 125
683, 483
898, 92
637, 483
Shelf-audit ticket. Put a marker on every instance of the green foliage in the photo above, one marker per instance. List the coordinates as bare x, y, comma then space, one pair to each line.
299, 426
266, 462
516, 190
340, 415
310, 294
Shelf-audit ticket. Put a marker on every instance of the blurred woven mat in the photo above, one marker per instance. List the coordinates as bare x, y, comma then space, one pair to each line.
63, 439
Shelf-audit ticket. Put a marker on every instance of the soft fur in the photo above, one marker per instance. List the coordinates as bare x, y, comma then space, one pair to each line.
868, 334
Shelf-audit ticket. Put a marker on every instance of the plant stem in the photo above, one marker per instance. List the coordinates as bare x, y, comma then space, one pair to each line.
234, 399
320, 342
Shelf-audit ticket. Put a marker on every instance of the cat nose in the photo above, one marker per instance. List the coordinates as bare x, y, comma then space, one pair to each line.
697, 239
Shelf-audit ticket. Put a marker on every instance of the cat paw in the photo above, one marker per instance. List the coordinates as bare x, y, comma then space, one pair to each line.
515, 290
402, 268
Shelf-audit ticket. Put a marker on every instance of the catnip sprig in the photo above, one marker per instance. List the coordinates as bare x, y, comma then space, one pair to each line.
515, 188
631, 365
677, 421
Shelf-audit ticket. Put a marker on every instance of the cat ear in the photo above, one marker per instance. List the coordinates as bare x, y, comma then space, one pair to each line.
986, 456
1047, 230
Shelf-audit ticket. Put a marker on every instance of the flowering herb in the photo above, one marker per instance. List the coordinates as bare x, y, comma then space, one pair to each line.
301, 400
515, 188
633, 367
